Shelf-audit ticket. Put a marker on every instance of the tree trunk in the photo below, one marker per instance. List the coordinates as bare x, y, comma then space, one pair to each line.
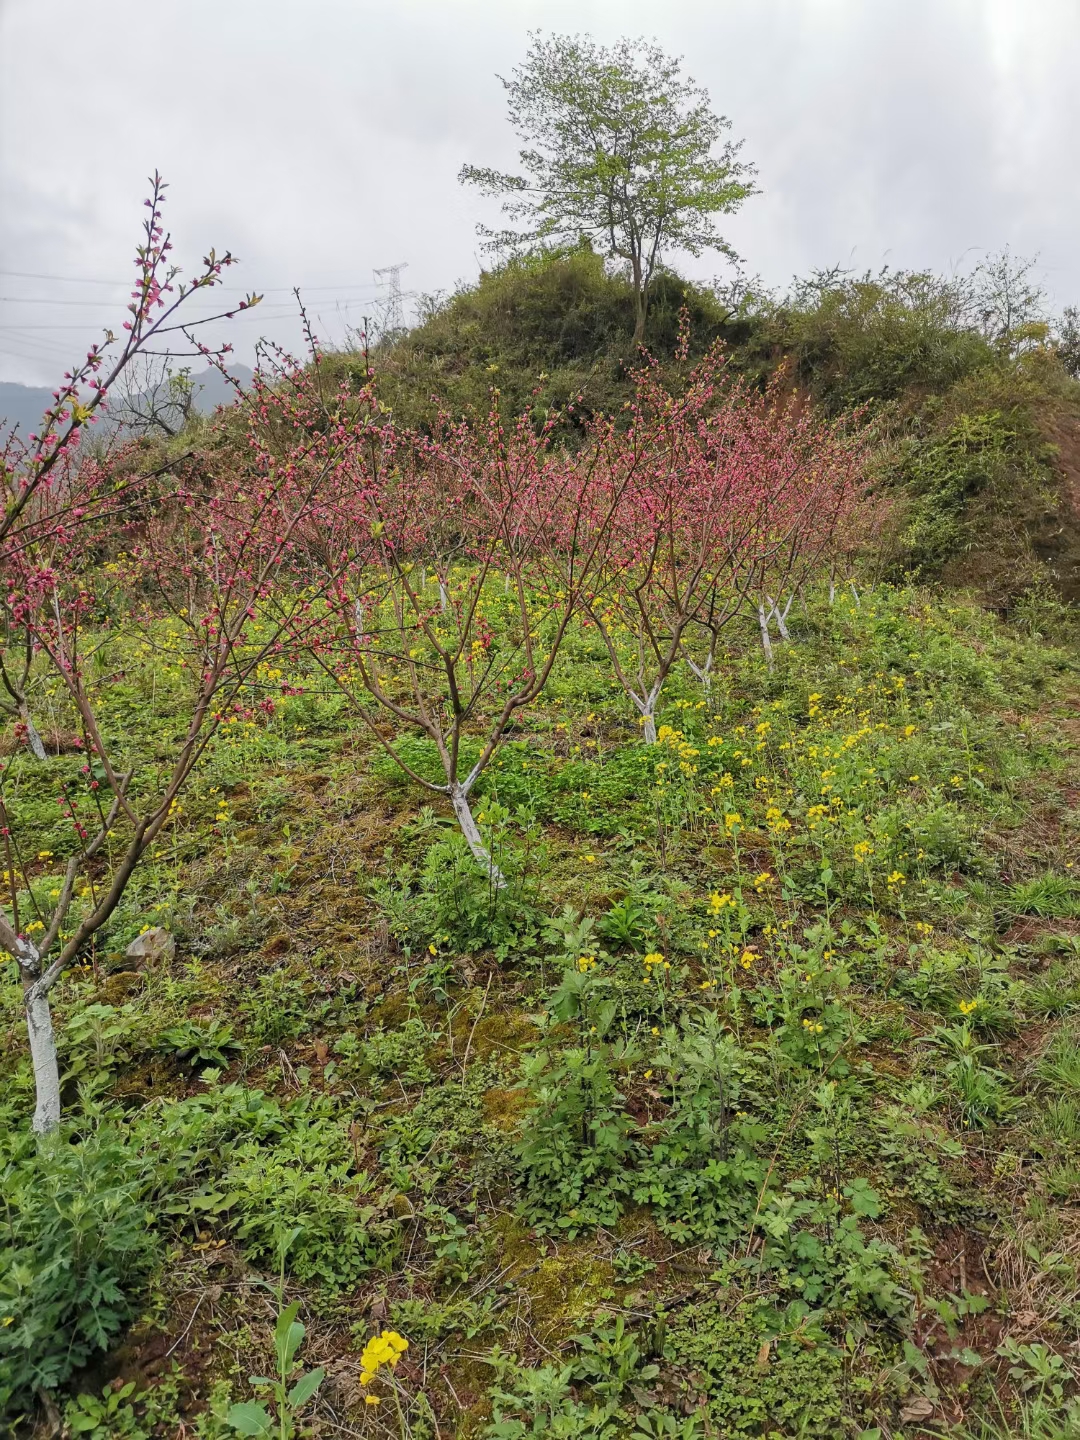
33, 739
766, 638
43, 1054
702, 672
639, 318
459, 799
781, 615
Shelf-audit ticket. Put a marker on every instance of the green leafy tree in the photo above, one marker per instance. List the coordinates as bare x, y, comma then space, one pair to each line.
619, 153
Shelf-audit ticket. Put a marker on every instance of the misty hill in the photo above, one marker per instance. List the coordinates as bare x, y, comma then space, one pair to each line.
24, 405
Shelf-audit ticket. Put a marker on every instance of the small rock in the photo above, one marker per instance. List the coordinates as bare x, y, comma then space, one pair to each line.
155, 944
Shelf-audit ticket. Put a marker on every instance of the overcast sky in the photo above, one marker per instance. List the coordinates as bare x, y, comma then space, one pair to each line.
319, 139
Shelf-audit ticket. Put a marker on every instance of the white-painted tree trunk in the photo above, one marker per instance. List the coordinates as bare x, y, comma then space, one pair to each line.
766, 638
858, 602
647, 710
444, 599
781, 615
702, 672
459, 799
39, 1027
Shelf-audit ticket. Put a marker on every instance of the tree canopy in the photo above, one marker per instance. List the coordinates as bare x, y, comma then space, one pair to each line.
620, 151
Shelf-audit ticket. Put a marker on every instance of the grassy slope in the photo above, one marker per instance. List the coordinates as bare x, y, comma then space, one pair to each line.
492, 1145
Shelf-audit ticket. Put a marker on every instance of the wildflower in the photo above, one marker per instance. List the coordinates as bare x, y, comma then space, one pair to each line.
589, 859
45, 855
760, 881
648, 1074
896, 879
862, 851
586, 963
967, 1006
432, 950
733, 822
380, 1350
923, 927
747, 958
717, 903
654, 958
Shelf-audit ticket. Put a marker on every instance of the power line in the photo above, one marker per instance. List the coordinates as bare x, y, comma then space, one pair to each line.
365, 285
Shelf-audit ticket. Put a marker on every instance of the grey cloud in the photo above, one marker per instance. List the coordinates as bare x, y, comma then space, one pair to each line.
323, 139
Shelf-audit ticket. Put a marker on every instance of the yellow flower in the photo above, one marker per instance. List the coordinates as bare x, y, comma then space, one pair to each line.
654, 958
896, 878
717, 903
380, 1350
862, 851
967, 1006
760, 881
589, 859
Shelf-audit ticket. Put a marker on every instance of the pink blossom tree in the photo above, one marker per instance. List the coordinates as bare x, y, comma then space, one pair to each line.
197, 572
727, 482
486, 541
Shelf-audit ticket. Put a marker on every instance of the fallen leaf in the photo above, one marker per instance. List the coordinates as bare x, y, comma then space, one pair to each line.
917, 1409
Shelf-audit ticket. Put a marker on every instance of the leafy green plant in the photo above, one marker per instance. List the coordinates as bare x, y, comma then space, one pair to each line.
701, 1174
575, 1147
75, 1254
198, 1044
290, 1388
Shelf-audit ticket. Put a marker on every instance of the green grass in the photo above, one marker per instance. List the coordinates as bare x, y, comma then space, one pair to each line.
749, 1107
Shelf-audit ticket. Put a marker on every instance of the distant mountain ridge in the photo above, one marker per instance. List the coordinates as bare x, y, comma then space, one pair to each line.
24, 405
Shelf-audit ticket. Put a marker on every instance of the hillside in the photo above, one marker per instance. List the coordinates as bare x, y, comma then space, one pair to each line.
736, 1092
977, 439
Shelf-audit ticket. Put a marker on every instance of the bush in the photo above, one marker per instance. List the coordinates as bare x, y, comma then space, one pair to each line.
75, 1253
